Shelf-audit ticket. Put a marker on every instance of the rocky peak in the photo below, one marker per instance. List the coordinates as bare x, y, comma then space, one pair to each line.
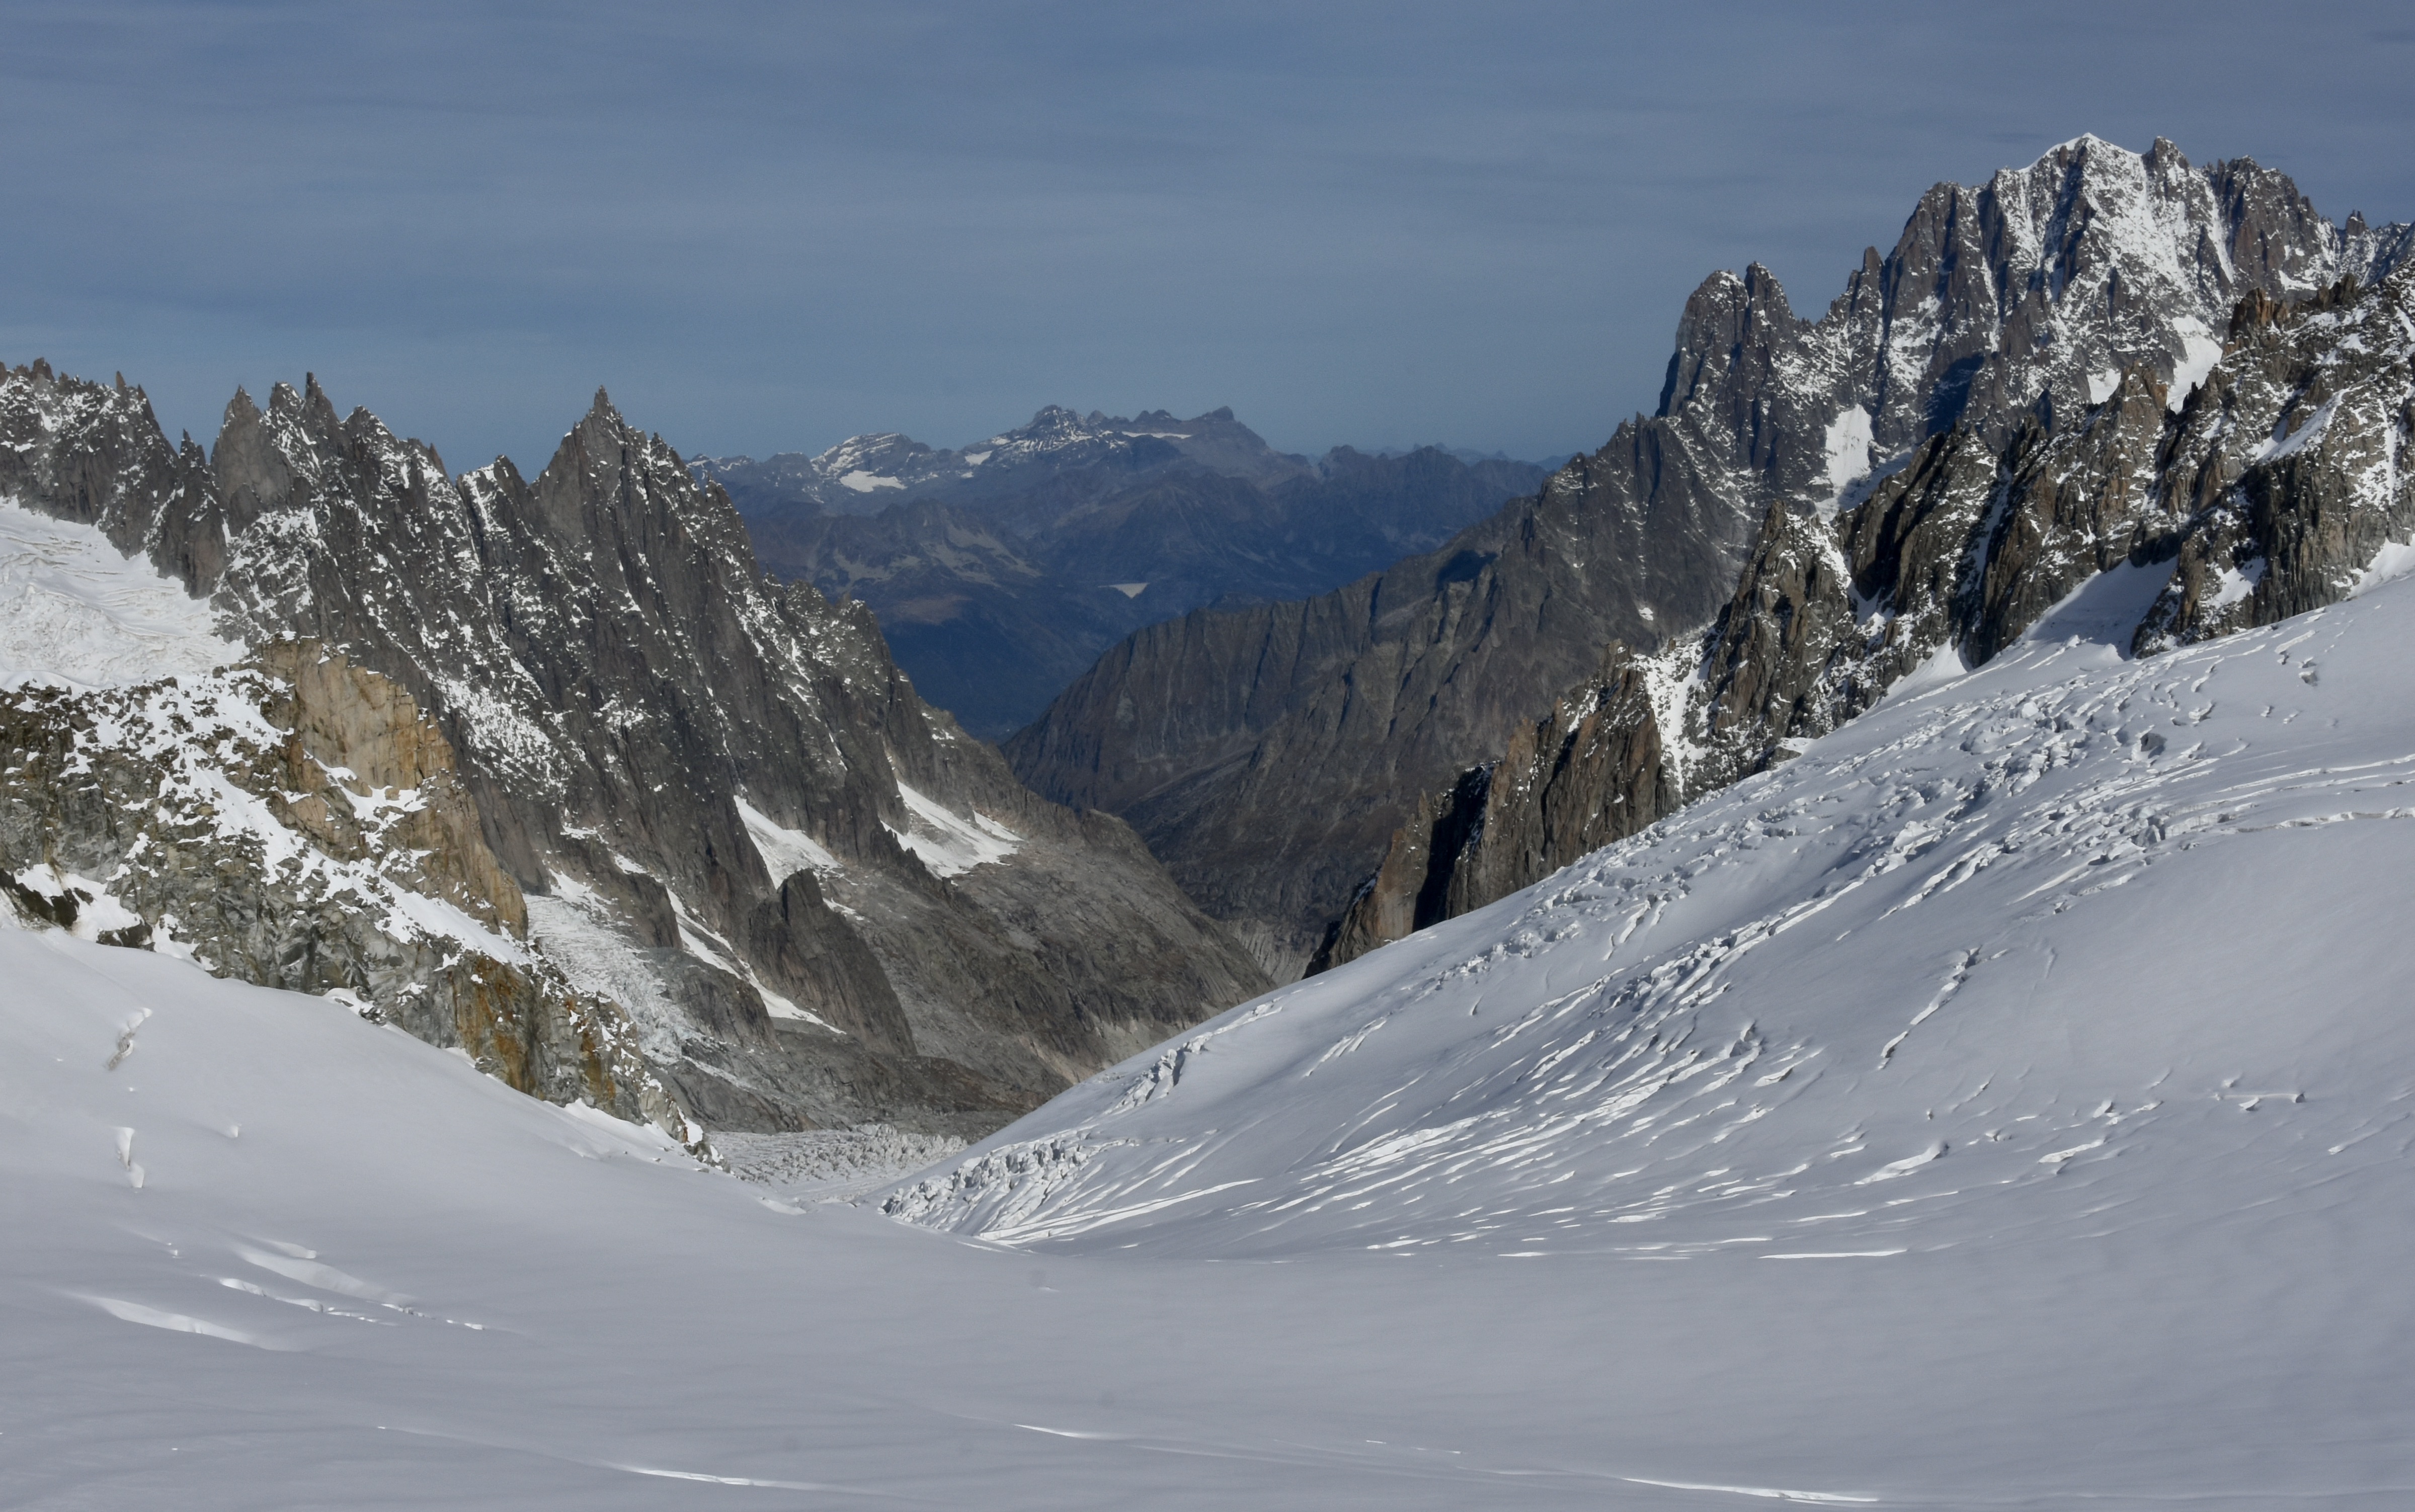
1728, 342
2029, 294
2075, 374
2271, 488
252, 470
1730, 323
2006, 315
644, 730
91, 454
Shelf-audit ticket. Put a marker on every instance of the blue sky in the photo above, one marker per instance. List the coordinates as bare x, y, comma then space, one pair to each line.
766, 227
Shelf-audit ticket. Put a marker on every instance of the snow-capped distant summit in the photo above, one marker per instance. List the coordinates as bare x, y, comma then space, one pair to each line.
864, 474
2078, 144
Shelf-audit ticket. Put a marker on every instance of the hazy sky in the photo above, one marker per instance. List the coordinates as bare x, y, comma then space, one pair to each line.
766, 227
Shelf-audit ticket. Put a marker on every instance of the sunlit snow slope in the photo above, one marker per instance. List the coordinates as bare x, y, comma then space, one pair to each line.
2002, 1106
2070, 948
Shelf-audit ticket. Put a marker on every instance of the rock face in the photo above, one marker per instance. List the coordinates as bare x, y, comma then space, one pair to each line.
2154, 519
818, 900
1268, 755
998, 583
1589, 772
296, 821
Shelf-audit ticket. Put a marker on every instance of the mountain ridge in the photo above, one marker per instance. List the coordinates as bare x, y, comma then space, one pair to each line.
996, 594
865, 473
2021, 299
2268, 488
624, 692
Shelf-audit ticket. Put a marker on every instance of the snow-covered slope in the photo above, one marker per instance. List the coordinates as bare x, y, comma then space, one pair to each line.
77, 613
2005, 1104
2075, 954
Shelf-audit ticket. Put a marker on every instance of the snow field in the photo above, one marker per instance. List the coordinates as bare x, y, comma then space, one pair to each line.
948, 843
2003, 1104
1721, 1033
75, 613
355, 1268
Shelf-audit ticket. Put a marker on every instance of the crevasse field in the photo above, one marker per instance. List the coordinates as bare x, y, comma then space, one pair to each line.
2005, 1104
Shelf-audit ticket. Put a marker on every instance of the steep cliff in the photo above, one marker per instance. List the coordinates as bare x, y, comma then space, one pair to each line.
2154, 519
1591, 771
296, 821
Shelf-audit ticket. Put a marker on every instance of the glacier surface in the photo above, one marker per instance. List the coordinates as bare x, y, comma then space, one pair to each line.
2003, 1104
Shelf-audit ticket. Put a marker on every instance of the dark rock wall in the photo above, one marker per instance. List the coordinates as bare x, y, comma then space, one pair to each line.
2294, 456
2278, 486
1590, 773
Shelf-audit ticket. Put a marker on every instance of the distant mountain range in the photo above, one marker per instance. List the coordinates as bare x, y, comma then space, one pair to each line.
999, 572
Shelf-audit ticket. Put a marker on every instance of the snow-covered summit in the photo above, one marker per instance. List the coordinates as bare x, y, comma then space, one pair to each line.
2027, 296
864, 474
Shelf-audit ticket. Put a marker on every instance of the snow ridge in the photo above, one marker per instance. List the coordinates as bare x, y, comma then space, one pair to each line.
1867, 969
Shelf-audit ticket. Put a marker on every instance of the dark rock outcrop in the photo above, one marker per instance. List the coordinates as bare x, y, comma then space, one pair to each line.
290, 822
2295, 458
1589, 772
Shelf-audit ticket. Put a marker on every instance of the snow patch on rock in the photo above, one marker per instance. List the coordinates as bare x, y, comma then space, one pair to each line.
2199, 352
948, 843
784, 851
76, 613
863, 481
1849, 454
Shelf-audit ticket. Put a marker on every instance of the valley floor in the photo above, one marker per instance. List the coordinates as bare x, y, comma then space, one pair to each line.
2005, 1105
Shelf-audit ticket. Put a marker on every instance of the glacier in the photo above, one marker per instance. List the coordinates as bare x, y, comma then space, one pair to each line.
76, 613
2003, 1104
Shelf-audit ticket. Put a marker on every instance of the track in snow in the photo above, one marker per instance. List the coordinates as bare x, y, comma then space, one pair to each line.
2069, 946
